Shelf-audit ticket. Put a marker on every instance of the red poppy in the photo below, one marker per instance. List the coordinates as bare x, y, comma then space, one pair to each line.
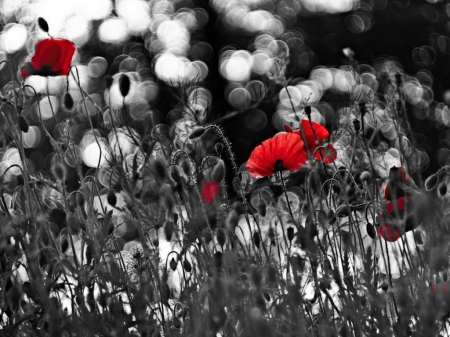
396, 208
389, 233
52, 58
210, 191
444, 287
393, 190
284, 152
315, 136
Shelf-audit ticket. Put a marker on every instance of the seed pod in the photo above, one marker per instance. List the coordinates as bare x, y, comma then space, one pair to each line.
23, 124
68, 101
43, 25
111, 198
365, 176
431, 182
124, 85
173, 264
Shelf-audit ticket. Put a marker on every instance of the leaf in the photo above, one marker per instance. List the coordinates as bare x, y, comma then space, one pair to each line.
43, 24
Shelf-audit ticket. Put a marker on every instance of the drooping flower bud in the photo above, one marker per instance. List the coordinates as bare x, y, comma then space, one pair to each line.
442, 189
187, 266
196, 133
68, 101
357, 125
218, 172
173, 264
169, 227
256, 239
371, 230
290, 233
43, 25
262, 209
23, 124
111, 198
124, 85
221, 238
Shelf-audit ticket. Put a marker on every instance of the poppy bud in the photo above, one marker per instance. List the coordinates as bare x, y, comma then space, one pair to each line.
80, 199
219, 148
365, 176
43, 25
218, 260
370, 230
431, 182
232, 219
23, 124
442, 189
356, 125
196, 133
124, 85
169, 227
186, 167
68, 101
262, 209
59, 171
173, 264
111, 198
218, 172
221, 237
290, 233
385, 286
187, 266
165, 294
256, 239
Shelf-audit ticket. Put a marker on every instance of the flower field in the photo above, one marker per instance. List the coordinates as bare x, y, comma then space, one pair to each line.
125, 207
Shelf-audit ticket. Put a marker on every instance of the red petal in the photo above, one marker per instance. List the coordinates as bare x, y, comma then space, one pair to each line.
327, 155
287, 147
210, 191
388, 233
24, 73
53, 53
320, 131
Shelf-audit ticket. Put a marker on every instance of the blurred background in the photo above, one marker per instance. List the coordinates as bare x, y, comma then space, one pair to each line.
227, 46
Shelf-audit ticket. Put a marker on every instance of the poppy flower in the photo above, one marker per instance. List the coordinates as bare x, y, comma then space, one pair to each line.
389, 233
210, 191
393, 190
52, 58
314, 136
284, 152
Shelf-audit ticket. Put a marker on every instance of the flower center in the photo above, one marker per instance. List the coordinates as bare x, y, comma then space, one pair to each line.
279, 166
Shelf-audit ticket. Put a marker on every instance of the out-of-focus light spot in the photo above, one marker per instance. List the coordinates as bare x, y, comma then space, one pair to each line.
201, 16
136, 15
113, 30
32, 138
238, 98
257, 90
237, 66
413, 91
113, 95
148, 90
358, 22
48, 107
12, 157
278, 49
13, 37
9, 8
329, 6
93, 154
121, 143
344, 80
201, 51
174, 35
311, 91
95, 10
171, 69
72, 155
196, 70
362, 93
256, 120
259, 64
322, 76
188, 19
97, 67
290, 96
77, 30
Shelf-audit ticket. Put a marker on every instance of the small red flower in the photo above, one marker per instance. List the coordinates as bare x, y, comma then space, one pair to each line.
210, 191
396, 207
284, 152
389, 233
52, 58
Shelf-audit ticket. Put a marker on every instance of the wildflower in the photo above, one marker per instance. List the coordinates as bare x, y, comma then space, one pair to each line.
52, 58
210, 191
284, 152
